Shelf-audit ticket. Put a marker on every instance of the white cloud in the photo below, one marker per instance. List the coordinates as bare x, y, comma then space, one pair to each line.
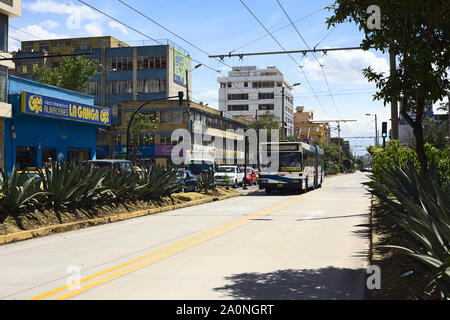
36, 30
344, 66
94, 29
115, 25
49, 24
76, 13
209, 97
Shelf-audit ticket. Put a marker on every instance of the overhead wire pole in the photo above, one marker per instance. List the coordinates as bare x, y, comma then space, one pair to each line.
339, 131
321, 66
290, 56
323, 50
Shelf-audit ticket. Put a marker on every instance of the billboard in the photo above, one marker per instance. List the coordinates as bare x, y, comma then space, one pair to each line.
180, 65
39, 105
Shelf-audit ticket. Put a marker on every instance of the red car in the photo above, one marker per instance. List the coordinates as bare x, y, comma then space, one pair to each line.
250, 176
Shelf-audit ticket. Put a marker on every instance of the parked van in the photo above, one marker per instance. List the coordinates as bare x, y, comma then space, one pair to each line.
120, 166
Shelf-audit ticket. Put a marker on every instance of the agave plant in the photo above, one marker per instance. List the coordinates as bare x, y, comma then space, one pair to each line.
158, 182
72, 185
206, 182
420, 206
123, 187
19, 192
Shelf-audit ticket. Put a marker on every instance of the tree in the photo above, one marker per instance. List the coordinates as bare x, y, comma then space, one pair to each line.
436, 133
266, 121
73, 73
417, 32
142, 122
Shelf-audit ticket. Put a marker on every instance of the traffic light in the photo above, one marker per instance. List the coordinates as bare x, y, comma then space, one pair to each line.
180, 98
384, 129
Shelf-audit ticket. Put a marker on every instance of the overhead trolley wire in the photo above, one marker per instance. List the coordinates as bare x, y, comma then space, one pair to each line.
281, 46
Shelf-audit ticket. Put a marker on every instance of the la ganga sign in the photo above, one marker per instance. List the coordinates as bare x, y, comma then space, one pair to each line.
40, 105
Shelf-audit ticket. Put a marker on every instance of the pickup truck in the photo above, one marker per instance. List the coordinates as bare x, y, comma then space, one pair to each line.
236, 176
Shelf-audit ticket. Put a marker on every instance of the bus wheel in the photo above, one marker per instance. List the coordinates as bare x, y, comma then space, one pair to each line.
268, 190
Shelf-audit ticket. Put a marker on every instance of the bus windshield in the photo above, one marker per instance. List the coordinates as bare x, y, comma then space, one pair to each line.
199, 168
290, 159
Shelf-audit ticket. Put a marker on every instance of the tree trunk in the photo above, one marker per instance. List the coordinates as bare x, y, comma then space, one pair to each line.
420, 148
418, 132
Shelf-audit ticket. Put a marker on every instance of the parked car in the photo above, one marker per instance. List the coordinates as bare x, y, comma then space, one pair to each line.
236, 176
120, 166
139, 171
188, 182
250, 176
257, 174
366, 169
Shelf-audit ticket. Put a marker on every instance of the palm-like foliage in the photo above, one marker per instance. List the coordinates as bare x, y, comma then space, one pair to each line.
18, 192
158, 182
206, 182
71, 185
420, 206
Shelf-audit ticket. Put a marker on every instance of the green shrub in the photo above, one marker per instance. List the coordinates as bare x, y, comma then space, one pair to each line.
206, 182
396, 154
420, 207
19, 193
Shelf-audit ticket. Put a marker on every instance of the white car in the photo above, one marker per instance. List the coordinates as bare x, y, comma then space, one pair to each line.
236, 176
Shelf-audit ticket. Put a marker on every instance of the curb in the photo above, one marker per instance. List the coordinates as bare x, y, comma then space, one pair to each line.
71, 226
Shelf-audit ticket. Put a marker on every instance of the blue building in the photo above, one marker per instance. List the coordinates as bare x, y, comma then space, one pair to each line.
50, 122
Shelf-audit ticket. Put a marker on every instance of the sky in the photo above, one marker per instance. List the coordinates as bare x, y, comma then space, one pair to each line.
218, 27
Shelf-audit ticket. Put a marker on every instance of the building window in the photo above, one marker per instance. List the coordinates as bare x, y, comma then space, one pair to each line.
166, 138
25, 157
117, 140
266, 95
3, 32
266, 106
238, 96
263, 84
85, 44
8, 2
151, 86
238, 107
171, 116
151, 62
78, 154
245, 84
27, 47
44, 46
223, 85
229, 84
3, 83
71, 43
102, 43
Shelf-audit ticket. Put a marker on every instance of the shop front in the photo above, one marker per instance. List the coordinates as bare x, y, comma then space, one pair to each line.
50, 123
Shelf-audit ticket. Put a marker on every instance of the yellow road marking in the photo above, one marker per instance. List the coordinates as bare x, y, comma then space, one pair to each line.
187, 243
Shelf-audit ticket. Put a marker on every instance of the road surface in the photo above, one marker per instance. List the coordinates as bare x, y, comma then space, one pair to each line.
259, 246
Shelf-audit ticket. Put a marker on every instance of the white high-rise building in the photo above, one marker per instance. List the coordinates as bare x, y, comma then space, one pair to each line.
248, 90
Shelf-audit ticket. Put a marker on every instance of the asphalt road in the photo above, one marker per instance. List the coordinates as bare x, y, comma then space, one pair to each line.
259, 246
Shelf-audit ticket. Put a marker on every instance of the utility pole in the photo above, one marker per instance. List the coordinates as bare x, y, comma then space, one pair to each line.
257, 140
339, 131
245, 162
376, 131
282, 114
394, 104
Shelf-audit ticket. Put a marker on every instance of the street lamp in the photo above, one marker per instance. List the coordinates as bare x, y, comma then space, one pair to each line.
376, 130
283, 133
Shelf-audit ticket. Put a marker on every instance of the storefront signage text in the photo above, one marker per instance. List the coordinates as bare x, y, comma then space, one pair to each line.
57, 108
